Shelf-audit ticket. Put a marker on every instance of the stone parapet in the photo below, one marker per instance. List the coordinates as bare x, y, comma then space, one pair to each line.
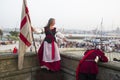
69, 61
9, 67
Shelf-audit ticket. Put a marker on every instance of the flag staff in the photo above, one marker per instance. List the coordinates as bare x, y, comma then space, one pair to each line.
101, 32
34, 43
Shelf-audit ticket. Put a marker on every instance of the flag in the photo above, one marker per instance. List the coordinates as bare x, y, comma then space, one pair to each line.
25, 34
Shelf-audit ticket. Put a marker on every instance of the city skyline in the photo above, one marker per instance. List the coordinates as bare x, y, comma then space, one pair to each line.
69, 14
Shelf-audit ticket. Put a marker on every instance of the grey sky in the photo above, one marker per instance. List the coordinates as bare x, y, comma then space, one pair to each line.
73, 14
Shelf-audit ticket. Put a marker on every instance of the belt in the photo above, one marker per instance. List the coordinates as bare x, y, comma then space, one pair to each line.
89, 60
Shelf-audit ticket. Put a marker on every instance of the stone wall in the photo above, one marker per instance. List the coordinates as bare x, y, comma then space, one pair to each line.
9, 69
109, 71
70, 59
31, 70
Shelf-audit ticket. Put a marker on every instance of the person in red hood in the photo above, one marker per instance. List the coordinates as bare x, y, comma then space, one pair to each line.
87, 68
15, 50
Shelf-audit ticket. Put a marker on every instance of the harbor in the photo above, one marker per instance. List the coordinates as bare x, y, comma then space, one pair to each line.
111, 51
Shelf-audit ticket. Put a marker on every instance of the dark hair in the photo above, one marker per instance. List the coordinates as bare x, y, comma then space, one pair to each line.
49, 22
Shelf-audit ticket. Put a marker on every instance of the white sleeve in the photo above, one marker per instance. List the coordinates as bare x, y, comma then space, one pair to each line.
59, 34
96, 59
39, 30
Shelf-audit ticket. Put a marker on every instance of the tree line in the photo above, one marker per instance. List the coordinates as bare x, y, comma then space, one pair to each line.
13, 35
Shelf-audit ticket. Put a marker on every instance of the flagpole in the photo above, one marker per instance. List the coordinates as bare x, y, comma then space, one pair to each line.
34, 43
101, 32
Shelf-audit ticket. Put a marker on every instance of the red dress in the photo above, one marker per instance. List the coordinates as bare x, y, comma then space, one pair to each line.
87, 64
48, 53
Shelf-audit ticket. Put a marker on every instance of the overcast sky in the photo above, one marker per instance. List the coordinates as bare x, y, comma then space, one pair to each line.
70, 14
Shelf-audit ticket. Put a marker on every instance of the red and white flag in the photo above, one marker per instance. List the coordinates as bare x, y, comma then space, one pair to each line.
25, 34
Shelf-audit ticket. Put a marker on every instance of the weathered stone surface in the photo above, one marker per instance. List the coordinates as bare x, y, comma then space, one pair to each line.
67, 76
9, 67
44, 74
26, 76
10, 62
108, 74
69, 62
30, 61
31, 70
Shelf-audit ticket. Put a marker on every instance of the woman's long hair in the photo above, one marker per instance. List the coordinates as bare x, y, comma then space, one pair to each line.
49, 23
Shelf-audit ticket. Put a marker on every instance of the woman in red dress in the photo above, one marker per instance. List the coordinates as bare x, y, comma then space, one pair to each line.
48, 53
87, 68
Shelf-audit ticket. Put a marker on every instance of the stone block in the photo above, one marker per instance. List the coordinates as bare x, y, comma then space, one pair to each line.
26, 76
49, 75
